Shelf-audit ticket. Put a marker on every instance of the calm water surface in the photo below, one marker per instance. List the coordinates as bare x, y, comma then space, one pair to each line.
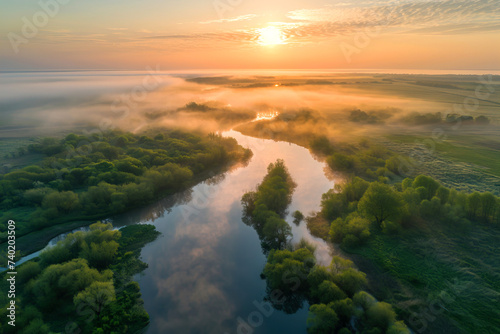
204, 270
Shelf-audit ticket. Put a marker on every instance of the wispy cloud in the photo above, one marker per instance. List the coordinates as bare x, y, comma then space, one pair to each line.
450, 17
423, 14
232, 19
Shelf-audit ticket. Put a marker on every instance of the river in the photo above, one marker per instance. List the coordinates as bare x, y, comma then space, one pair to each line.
204, 270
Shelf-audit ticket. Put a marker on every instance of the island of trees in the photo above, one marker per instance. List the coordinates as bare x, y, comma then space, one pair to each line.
335, 293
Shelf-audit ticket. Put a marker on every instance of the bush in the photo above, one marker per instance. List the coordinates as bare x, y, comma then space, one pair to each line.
350, 281
340, 162
321, 320
287, 271
389, 227
429, 184
28, 271
381, 315
318, 275
363, 299
328, 292
297, 217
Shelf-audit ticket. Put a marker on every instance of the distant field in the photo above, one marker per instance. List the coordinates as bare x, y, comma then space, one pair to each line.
9, 157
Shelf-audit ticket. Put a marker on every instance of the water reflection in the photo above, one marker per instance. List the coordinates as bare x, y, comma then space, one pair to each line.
204, 271
154, 211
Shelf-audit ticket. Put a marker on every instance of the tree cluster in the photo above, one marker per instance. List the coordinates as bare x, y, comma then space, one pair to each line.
357, 208
84, 178
86, 280
264, 208
337, 303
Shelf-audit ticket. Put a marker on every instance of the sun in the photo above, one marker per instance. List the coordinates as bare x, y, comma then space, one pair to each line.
270, 36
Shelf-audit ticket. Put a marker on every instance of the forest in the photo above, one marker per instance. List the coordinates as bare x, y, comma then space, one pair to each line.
87, 177
335, 293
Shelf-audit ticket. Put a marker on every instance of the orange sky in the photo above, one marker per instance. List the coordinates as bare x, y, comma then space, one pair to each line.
294, 34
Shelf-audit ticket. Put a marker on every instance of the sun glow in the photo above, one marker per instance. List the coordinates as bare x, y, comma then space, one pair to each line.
271, 36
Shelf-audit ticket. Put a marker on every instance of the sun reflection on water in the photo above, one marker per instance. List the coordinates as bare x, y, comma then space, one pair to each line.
268, 115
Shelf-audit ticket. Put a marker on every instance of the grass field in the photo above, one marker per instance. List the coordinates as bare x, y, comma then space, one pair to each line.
445, 279
478, 150
464, 162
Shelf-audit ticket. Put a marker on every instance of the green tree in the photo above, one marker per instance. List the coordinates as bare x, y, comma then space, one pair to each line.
488, 205
334, 204
277, 232
100, 255
321, 320
339, 264
318, 275
363, 299
65, 201
473, 204
35, 326
340, 162
351, 231
297, 217
381, 315
350, 281
328, 292
36, 195
398, 327
62, 281
344, 308
381, 202
27, 271
288, 270
430, 185
443, 194
97, 295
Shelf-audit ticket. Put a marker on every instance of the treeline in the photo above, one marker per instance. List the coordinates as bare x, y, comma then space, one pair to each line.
89, 177
83, 284
358, 208
416, 118
337, 303
368, 160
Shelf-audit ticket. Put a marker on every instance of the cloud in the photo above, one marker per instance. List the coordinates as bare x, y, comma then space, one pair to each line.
341, 19
305, 26
419, 14
233, 19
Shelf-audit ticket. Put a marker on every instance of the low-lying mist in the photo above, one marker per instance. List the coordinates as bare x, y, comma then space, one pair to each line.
338, 105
